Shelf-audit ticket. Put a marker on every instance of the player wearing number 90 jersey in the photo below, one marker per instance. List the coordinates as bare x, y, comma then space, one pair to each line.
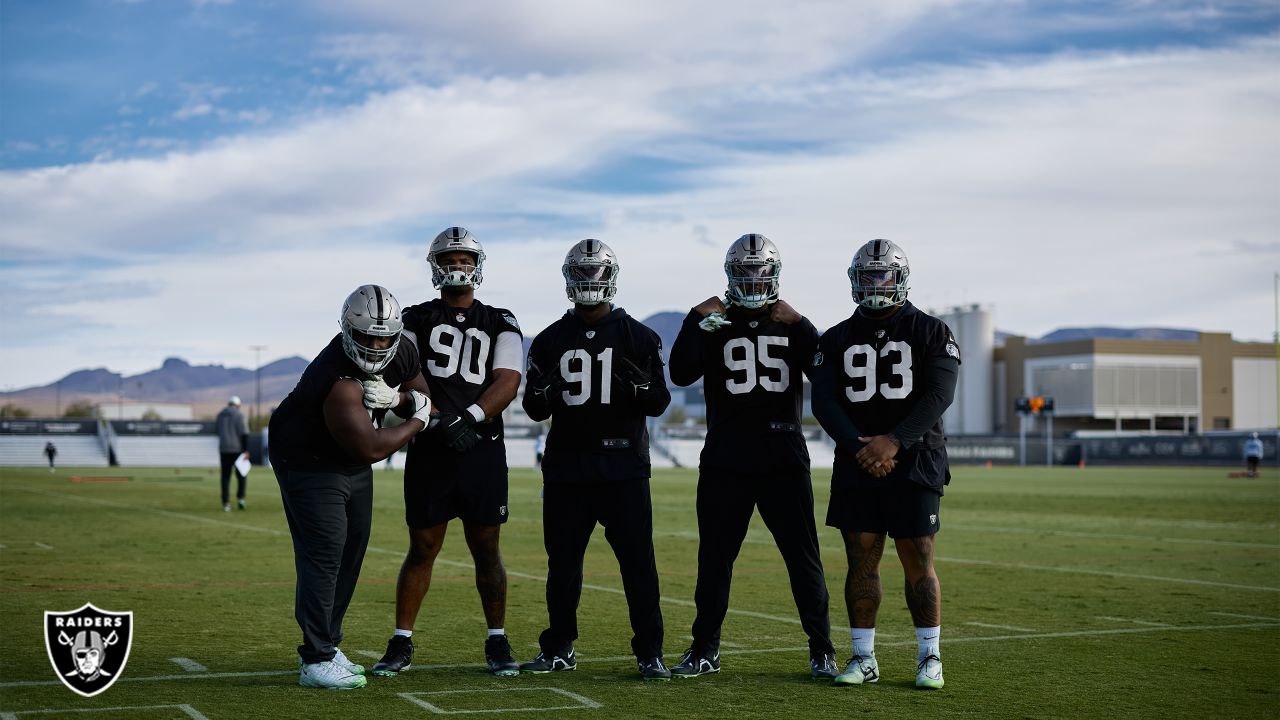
471, 357
597, 373
752, 350
881, 381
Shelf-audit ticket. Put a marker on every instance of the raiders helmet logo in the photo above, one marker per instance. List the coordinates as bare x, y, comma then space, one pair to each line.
817, 359
933, 519
754, 323
511, 321
953, 350
590, 334
879, 334
460, 317
88, 647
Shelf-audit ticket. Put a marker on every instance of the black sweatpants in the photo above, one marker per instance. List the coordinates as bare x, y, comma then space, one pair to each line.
329, 515
569, 516
228, 467
726, 501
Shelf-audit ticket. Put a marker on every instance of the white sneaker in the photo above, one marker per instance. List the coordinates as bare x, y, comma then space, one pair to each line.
929, 673
859, 670
329, 675
353, 668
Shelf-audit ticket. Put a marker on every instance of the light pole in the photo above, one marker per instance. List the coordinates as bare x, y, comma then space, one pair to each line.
257, 378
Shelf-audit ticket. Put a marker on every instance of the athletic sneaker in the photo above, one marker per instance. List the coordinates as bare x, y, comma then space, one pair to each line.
545, 663
497, 652
329, 675
694, 664
341, 658
859, 670
240, 502
823, 667
226, 507
929, 673
653, 669
396, 659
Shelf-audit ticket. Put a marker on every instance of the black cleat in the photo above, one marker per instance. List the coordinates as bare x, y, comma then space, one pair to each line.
545, 663
694, 664
497, 652
653, 669
397, 659
823, 667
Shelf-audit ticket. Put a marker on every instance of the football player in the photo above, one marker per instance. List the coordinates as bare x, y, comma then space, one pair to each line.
323, 443
881, 381
751, 349
472, 356
597, 373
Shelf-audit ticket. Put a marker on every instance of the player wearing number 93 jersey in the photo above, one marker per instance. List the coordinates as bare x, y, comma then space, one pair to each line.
597, 373
881, 381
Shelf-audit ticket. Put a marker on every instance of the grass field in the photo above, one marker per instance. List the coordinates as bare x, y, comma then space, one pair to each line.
1066, 593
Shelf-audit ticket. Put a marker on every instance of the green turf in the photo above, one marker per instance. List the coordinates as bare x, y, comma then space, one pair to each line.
1139, 593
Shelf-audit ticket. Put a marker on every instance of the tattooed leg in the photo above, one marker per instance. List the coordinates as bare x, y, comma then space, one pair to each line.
924, 597
862, 591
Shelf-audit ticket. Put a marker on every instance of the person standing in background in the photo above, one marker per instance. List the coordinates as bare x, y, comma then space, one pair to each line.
233, 443
51, 451
1252, 454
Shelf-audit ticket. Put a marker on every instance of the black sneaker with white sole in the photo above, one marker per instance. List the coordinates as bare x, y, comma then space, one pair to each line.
695, 663
653, 669
823, 667
397, 659
497, 653
550, 662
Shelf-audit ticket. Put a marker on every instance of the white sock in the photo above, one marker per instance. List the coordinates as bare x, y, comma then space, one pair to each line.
497, 631
927, 642
404, 633
864, 642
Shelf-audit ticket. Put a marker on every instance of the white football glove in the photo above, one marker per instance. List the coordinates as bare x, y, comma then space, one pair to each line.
714, 322
378, 395
421, 407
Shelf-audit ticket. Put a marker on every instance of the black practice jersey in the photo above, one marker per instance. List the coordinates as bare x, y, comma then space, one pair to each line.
598, 429
753, 388
456, 347
298, 433
881, 370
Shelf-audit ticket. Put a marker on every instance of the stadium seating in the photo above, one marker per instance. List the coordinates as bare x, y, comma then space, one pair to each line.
167, 451
73, 450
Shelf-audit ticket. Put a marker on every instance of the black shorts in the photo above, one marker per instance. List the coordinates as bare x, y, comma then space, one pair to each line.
903, 510
441, 484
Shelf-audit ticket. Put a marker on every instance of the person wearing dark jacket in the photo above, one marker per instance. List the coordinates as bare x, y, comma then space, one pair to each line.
233, 444
752, 350
325, 437
598, 374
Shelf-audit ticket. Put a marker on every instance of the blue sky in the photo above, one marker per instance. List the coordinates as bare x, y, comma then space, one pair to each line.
192, 178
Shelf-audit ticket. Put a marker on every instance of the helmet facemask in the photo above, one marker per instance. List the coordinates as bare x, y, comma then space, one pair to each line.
590, 283
752, 285
453, 274
878, 288
371, 328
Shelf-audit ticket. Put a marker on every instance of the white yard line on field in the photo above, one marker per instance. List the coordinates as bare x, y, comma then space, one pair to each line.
1105, 573
1000, 627
188, 664
759, 651
1135, 621
1106, 536
1245, 617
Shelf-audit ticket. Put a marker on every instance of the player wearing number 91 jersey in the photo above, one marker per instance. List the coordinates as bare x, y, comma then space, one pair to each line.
751, 350
881, 381
597, 373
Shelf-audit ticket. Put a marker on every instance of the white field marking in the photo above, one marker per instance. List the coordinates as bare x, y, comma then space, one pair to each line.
188, 664
1001, 627
723, 643
395, 553
1246, 617
23, 545
759, 651
1135, 621
369, 654
42, 546
190, 711
582, 703
1108, 536
1106, 573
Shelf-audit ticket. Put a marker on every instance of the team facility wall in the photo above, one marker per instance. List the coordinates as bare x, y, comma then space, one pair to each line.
1253, 401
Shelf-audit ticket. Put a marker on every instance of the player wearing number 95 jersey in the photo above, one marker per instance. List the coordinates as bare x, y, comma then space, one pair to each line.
597, 373
881, 381
752, 349
471, 358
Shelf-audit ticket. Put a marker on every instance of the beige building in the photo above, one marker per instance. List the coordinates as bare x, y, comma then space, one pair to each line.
1213, 383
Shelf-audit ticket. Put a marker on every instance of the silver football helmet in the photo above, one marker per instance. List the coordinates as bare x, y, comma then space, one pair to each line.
752, 265
455, 238
370, 312
879, 274
591, 273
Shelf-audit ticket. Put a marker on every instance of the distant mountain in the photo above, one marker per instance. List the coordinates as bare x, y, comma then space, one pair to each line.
667, 325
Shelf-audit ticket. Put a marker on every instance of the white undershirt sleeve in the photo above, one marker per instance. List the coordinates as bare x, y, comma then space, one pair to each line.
508, 352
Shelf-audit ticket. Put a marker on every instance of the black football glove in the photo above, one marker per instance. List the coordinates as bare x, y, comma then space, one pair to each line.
632, 377
546, 386
457, 431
